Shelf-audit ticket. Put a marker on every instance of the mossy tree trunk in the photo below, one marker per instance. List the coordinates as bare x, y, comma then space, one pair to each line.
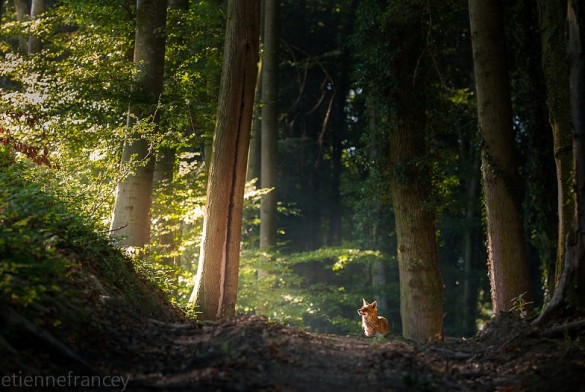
421, 288
552, 19
569, 297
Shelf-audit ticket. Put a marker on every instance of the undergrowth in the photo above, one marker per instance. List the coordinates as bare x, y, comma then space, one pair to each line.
57, 269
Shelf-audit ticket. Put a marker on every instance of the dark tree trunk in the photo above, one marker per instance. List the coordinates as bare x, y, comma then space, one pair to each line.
269, 142
570, 293
552, 19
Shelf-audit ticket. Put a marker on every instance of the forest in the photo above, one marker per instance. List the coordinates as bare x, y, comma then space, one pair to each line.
201, 194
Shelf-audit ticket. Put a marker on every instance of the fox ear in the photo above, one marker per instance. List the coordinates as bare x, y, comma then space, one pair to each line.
374, 304
365, 302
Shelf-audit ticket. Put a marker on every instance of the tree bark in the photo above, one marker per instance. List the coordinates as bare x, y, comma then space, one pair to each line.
269, 139
37, 8
22, 9
216, 282
254, 157
507, 257
421, 288
569, 296
469, 293
552, 17
131, 215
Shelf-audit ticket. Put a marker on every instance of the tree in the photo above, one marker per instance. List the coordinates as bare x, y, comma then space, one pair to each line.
216, 282
421, 289
269, 138
21, 8
37, 8
552, 19
570, 293
507, 259
164, 171
131, 215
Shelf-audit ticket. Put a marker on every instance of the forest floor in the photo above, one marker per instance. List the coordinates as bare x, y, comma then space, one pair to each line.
77, 314
250, 353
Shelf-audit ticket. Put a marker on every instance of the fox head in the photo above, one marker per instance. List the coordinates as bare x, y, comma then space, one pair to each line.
368, 309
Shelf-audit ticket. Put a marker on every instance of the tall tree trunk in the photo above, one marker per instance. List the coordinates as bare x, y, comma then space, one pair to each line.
338, 133
469, 294
552, 19
269, 142
421, 288
131, 215
254, 165
22, 10
37, 8
164, 176
507, 257
254, 157
216, 282
570, 293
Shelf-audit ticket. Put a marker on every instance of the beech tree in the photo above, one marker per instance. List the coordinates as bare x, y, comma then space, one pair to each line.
216, 282
131, 214
507, 258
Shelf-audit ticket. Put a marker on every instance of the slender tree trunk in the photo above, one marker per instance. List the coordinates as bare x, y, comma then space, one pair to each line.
131, 215
254, 157
421, 288
507, 258
22, 9
164, 176
269, 143
552, 19
338, 132
377, 145
254, 166
37, 8
216, 282
469, 296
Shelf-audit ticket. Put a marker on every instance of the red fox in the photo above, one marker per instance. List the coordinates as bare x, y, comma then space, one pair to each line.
372, 323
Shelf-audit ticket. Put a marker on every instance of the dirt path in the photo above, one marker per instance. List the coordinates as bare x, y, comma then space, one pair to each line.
252, 354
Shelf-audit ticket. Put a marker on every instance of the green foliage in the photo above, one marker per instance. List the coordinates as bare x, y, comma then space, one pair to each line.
32, 232
320, 290
51, 256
